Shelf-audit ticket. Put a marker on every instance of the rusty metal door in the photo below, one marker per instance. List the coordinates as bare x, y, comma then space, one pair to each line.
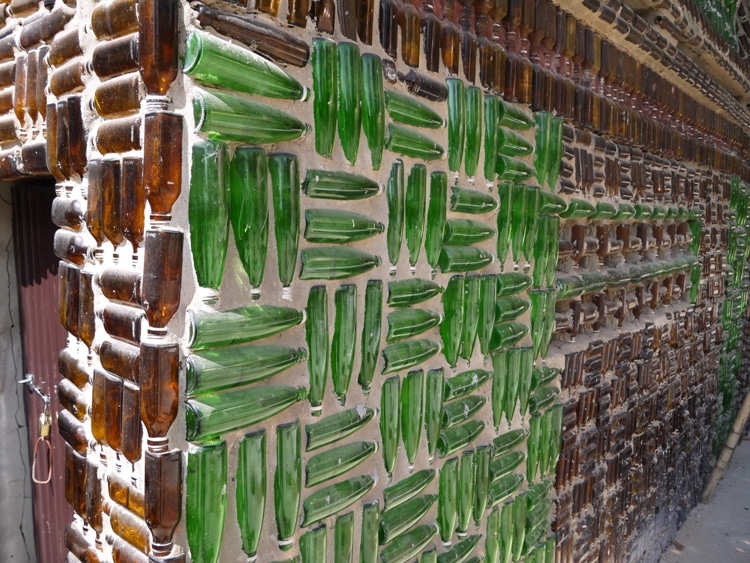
43, 338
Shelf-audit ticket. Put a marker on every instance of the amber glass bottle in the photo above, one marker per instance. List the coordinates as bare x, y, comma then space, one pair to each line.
111, 197
86, 316
115, 57
163, 504
114, 19
119, 135
64, 47
158, 379
162, 162
158, 42
132, 202
162, 277
119, 96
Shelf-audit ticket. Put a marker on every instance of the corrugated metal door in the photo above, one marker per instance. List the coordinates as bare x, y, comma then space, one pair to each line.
43, 338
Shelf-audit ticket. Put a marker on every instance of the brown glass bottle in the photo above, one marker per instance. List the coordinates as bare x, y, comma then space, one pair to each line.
72, 431
365, 16
64, 47
8, 47
163, 504
123, 552
68, 78
86, 317
485, 50
162, 277
410, 31
431, 33
6, 99
34, 157
468, 41
127, 525
8, 73
52, 166
348, 23
71, 368
388, 27
98, 406
162, 162
113, 410
42, 74
120, 135
133, 201
62, 293
120, 359
119, 96
62, 139
131, 438
93, 501
125, 494
45, 28
95, 201
114, 19
115, 57
20, 87
29, 90
270, 7
158, 36
450, 39
297, 11
159, 383
75, 480
122, 321
111, 226
72, 298
22, 8
9, 130
72, 399
121, 284
524, 80
324, 14
79, 546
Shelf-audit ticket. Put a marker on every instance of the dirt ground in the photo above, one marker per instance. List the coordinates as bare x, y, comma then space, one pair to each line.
719, 532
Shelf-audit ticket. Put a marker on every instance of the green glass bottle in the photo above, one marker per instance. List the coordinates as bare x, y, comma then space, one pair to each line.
316, 336
429, 556
499, 385
404, 293
492, 537
234, 366
519, 526
335, 498
287, 482
511, 115
436, 212
408, 110
390, 421
604, 211
512, 283
407, 354
555, 441
531, 225
461, 551
526, 365
396, 521
486, 312
251, 490
463, 259
505, 464
463, 232
512, 370
208, 211
395, 195
541, 259
344, 338
447, 500
460, 410
337, 461
505, 194
513, 169
551, 204
333, 263
464, 383
412, 413
344, 186
217, 62
465, 494
336, 427
542, 398
459, 437
519, 216
452, 326
216, 413
482, 482
502, 489
343, 538
470, 323
373, 107
368, 545
226, 117
456, 122
538, 299
433, 408
350, 91
404, 323
208, 329
408, 545
555, 148
474, 119
510, 308
206, 499
410, 142
506, 532
371, 333
625, 211
542, 138
510, 143
578, 209
491, 114
248, 211
533, 443
313, 545
471, 201
406, 489
335, 226
507, 334
415, 210
324, 60
285, 188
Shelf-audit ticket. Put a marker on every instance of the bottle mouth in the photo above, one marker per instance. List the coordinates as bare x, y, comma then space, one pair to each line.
199, 111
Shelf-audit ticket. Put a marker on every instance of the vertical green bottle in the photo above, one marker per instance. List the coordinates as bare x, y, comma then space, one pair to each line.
373, 107
482, 482
555, 148
251, 490
506, 532
549, 320
208, 211
532, 446
465, 491
389, 421
350, 91
368, 543
505, 193
316, 336
512, 369
499, 385
451, 327
519, 526
248, 211
313, 545
542, 136
531, 224
412, 413
456, 122
538, 300
285, 188
324, 61
436, 212
287, 482
474, 116
433, 409
519, 216
395, 195
344, 338
541, 246
343, 538
447, 499
470, 323
371, 333
492, 537
491, 105
415, 207
206, 499
526, 365
486, 320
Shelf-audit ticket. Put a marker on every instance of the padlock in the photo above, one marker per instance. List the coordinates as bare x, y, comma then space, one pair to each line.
45, 422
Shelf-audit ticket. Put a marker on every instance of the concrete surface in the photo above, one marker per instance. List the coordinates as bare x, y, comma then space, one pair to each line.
719, 532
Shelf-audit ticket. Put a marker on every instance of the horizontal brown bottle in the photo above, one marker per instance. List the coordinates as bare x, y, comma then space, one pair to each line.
121, 284
133, 201
114, 19
122, 321
123, 552
158, 43
8, 73
6, 99
163, 504
9, 130
64, 47
162, 162
22, 8
131, 430
72, 399
162, 277
111, 226
86, 317
68, 78
45, 28
34, 157
72, 431
119, 135
125, 494
120, 359
159, 384
127, 525
115, 57
79, 546
119, 96
71, 368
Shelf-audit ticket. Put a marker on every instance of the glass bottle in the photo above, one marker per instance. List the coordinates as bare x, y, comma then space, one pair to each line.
334, 498
344, 337
244, 324
433, 408
410, 142
316, 331
337, 426
68, 78
64, 46
368, 545
412, 413
343, 542
464, 383
469, 201
79, 546
132, 201
409, 19
285, 188
349, 105
158, 383
370, 332
325, 90
111, 201
460, 410
506, 193
481, 482
114, 19
469, 324
452, 325
324, 184
405, 323
403, 293
72, 369
414, 211
205, 499
436, 217
163, 506
119, 96
162, 277
86, 318
335, 263
115, 57
473, 129
395, 195
131, 429
337, 461
158, 44
513, 169
69, 302
72, 432
460, 232
510, 143
71, 246
119, 358
122, 321
456, 122
251, 490
447, 500
338, 226
423, 86
405, 355
113, 411
287, 482
405, 109
450, 39
463, 259
500, 380
401, 492
115, 135
395, 521
507, 334
162, 162
407, 546
390, 421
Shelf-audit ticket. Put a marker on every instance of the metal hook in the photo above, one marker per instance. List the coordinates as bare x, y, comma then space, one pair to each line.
29, 382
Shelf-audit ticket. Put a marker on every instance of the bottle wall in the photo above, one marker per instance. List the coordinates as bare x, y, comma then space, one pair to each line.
441, 281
